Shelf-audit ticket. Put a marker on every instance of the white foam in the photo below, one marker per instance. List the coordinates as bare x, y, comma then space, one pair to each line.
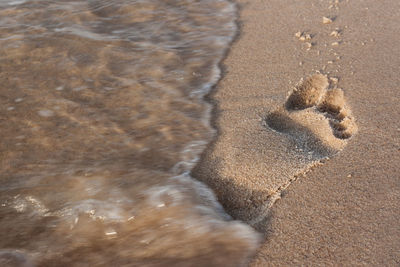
16, 2
82, 32
158, 195
95, 209
190, 155
13, 257
46, 113
29, 203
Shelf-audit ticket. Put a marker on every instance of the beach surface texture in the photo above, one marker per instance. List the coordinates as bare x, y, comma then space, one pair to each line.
308, 145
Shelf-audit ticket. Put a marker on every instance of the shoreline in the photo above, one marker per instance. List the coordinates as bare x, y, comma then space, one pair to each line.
317, 219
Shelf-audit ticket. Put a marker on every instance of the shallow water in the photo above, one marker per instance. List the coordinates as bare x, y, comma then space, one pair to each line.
102, 119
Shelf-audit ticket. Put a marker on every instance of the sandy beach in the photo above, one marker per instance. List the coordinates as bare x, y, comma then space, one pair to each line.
308, 145
200, 133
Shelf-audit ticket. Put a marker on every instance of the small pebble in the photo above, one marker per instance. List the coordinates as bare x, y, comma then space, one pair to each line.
334, 80
326, 20
18, 100
335, 33
303, 36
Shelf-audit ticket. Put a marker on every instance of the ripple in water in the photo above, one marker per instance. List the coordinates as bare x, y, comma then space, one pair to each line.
102, 119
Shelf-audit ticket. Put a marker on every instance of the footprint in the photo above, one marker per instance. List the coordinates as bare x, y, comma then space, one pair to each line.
315, 117
251, 169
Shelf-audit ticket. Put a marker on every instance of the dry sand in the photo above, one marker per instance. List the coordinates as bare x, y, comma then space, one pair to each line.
329, 156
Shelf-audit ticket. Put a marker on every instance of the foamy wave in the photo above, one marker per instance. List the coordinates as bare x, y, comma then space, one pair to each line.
107, 101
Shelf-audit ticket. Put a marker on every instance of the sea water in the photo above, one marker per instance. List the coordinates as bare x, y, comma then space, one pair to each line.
102, 118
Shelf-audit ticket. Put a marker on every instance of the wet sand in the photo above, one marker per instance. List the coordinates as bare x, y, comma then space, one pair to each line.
319, 196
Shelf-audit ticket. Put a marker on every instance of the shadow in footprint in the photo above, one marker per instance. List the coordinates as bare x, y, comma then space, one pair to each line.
304, 139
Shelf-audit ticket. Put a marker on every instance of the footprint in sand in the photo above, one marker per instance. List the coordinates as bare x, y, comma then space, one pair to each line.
250, 176
315, 117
